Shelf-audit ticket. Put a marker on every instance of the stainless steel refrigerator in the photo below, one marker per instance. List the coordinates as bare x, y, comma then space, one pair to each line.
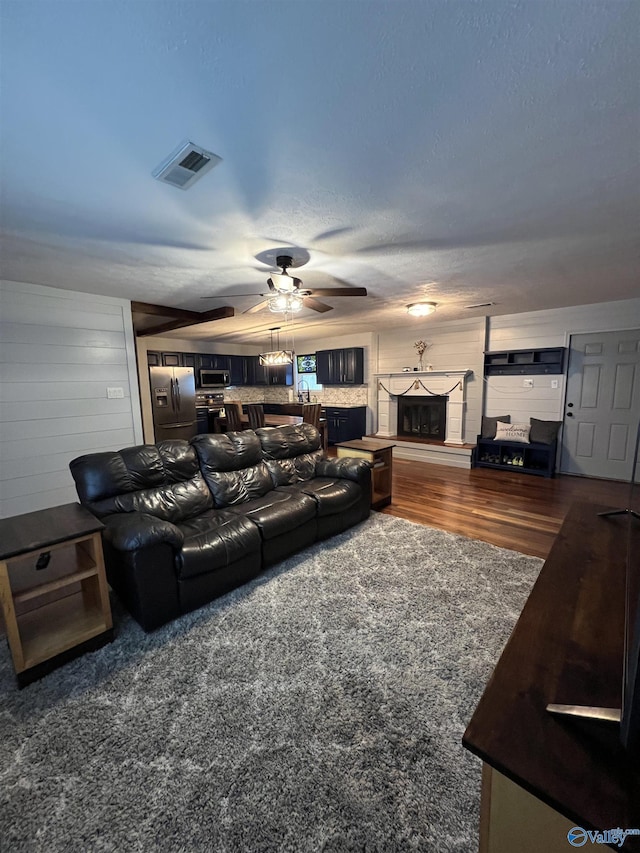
173, 400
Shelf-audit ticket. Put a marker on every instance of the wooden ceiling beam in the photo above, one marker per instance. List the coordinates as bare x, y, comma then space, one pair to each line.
194, 319
162, 311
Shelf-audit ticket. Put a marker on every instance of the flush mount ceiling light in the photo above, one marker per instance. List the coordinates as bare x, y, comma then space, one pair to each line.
421, 309
277, 356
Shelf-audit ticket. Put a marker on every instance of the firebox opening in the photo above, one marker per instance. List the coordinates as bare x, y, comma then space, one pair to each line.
424, 417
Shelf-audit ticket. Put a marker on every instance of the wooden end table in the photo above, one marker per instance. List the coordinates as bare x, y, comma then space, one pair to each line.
381, 458
53, 588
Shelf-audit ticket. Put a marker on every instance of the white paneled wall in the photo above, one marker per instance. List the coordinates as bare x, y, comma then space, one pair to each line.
59, 352
455, 345
537, 329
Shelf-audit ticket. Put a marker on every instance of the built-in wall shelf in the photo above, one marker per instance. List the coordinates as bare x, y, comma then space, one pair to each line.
524, 361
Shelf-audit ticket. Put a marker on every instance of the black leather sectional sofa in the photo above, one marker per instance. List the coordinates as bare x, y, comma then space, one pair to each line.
186, 522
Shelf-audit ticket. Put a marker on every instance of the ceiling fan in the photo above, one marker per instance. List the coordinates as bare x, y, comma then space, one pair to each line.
288, 294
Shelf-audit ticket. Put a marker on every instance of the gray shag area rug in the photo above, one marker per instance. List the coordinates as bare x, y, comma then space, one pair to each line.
318, 708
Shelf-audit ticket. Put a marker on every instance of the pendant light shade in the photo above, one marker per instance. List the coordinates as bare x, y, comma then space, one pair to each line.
277, 356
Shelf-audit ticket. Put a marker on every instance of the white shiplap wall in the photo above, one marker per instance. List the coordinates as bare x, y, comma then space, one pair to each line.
455, 345
537, 329
59, 351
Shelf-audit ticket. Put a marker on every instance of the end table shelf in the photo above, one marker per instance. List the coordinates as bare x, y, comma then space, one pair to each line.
53, 588
381, 458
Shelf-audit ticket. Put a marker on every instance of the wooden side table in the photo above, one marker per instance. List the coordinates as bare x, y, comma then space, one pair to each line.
381, 458
53, 588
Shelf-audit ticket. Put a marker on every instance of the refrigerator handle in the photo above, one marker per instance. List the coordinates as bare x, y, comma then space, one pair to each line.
173, 396
178, 394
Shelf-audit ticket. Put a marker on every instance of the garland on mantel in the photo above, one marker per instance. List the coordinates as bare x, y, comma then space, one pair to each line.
413, 385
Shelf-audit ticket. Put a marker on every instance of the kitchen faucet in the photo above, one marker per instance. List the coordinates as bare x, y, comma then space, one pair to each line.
300, 394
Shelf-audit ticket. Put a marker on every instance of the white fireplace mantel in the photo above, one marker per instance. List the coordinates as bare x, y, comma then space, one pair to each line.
448, 383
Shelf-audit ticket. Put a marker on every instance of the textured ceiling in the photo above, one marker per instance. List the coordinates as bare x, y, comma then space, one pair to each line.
461, 152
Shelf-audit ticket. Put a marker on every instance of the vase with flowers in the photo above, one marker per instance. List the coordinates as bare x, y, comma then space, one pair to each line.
421, 347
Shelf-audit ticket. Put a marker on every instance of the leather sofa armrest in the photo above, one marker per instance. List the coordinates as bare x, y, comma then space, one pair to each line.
347, 467
129, 531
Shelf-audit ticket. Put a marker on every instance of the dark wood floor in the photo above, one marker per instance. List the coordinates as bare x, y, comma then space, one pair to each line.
519, 511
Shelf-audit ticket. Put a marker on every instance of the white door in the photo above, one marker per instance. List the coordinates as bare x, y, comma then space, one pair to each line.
602, 406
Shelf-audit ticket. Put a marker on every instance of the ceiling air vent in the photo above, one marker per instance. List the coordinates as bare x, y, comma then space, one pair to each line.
186, 165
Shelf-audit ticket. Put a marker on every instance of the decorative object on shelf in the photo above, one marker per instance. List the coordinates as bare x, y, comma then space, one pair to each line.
421, 347
421, 309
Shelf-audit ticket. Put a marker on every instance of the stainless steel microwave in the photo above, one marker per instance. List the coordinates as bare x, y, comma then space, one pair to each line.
210, 378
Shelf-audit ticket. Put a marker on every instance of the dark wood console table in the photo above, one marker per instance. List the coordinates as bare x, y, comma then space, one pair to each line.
53, 588
544, 774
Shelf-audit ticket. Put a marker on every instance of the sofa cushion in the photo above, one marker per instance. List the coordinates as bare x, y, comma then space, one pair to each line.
278, 513
161, 479
288, 441
291, 452
215, 540
232, 466
331, 496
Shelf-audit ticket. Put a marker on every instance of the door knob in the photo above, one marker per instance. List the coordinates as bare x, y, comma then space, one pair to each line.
570, 405
569, 414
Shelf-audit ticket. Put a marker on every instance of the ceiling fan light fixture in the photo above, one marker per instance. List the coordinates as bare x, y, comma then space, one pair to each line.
421, 309
284, 303
283, 282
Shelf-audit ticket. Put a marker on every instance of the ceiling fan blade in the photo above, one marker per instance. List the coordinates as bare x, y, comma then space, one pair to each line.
258, 307
232, 295
339, 291
315, 305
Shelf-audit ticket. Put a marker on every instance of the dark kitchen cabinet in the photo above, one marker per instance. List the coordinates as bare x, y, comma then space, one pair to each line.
345, 423
171, 359
280, 375
245, 370
340, 366
212, 361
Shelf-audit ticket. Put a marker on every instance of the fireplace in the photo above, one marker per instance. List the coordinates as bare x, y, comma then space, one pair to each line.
434, 384
423, 417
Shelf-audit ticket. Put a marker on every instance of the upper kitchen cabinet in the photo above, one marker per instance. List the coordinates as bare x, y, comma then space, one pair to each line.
212, 361
170, 359
243, 370
247, 370
340, 366
281, 374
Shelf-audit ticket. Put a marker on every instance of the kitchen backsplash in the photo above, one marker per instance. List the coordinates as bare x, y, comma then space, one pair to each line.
342, 395
336, 395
